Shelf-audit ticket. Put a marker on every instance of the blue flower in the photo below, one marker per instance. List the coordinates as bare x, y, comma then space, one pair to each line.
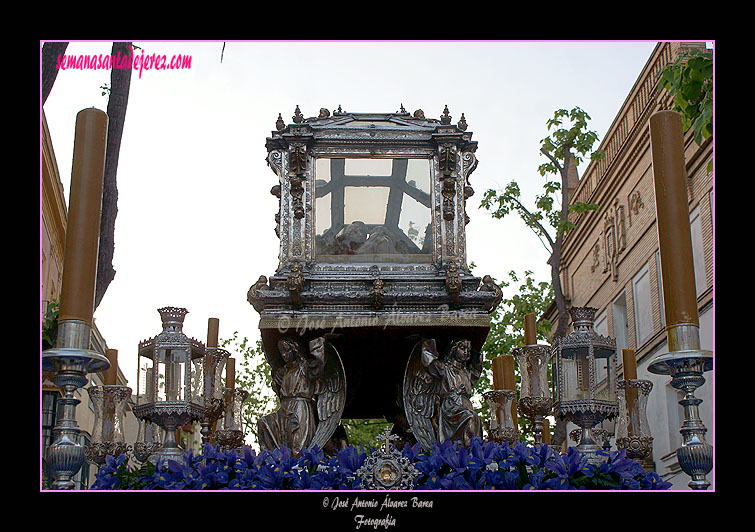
536, 481
411, 452
455, 456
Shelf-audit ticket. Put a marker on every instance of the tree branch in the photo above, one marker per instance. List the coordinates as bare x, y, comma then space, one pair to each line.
552, 159
532, 220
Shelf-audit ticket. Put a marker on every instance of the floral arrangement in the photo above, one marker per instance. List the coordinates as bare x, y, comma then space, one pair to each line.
449, 466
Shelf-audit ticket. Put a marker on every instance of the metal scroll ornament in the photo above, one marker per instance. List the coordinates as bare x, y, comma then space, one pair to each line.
387, 468
311, 388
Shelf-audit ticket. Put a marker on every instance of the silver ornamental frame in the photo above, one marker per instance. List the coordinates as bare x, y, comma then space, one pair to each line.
387, 468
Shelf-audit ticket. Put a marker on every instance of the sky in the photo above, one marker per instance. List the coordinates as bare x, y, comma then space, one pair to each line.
195, 224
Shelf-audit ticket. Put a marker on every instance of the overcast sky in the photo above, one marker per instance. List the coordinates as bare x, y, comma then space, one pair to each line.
195, 215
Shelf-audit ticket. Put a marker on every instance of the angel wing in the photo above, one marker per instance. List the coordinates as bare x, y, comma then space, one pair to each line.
420, 392
330, 391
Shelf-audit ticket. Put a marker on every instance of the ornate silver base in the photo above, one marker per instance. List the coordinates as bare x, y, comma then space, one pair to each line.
588, 414
169, 415
229, 439
97, 452
143, 450
638, 447
535, 408
387, 468
686, 368
71, 363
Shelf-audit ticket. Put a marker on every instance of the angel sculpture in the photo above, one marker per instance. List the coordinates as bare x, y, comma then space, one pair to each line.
437, 393
312, 393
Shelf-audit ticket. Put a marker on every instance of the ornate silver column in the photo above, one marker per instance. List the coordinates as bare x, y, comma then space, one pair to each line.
71, 361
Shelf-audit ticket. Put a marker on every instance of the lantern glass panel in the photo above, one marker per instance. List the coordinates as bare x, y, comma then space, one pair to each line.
373, 210
172, 369
605, 374
576, 373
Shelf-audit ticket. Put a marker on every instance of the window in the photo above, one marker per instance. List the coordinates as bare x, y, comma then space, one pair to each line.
659, 276
698, 254
373, 210
620, 322
49, 409
643, 311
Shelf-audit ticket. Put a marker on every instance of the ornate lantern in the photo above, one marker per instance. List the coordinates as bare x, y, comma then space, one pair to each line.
175, 381
586, 378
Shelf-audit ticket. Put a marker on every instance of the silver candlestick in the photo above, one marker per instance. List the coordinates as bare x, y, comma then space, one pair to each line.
71, 361
214, 403
535, 400
632, 427
686, 368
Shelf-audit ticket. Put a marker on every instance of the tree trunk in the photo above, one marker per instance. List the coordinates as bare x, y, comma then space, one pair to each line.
120, 82
559, 431
50, 53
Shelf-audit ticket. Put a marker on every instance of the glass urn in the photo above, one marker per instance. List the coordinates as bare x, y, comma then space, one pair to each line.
632, 427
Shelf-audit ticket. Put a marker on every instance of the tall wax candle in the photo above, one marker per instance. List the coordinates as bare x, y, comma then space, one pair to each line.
546, 431
629, 363
230, 373
83, 226
530, 333
672, 212
213, 324
498, 367
509, 382
110, 375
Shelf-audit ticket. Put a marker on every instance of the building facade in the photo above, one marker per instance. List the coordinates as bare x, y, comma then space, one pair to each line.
611, 258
